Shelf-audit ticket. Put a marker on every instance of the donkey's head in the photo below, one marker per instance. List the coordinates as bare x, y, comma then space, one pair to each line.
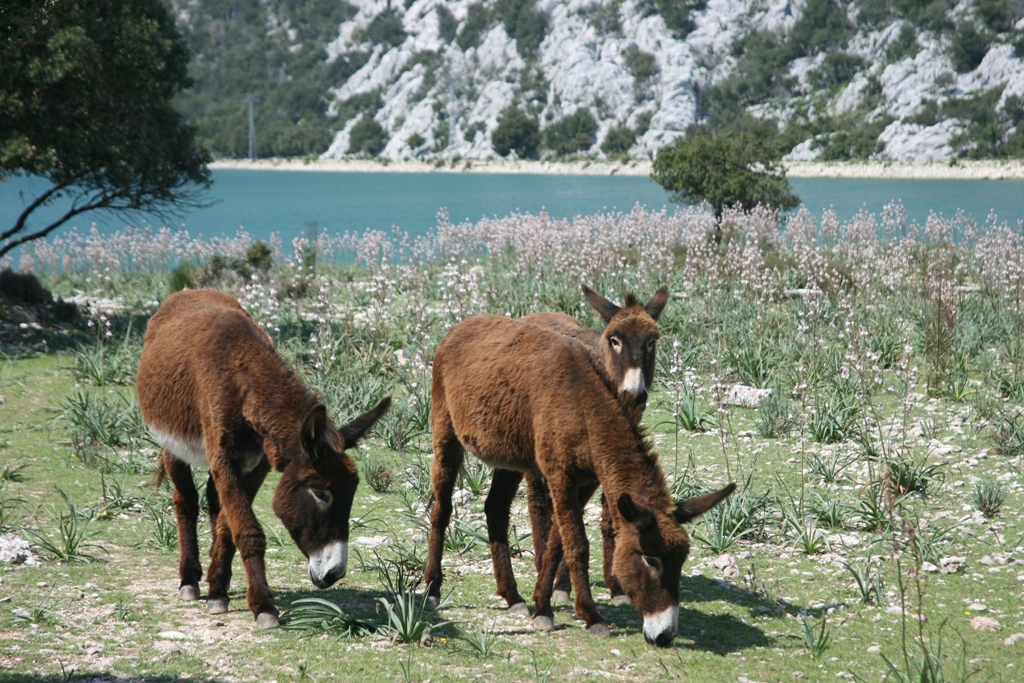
650, 548
314, 498
628, 341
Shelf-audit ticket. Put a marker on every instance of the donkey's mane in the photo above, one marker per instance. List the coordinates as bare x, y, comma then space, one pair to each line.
630, 300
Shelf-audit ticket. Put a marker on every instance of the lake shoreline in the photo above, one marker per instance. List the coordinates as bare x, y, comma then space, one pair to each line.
903, 170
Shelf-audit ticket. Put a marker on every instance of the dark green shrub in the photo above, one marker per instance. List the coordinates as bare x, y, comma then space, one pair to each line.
415, 140
823, 27
903, 46
259, 256
998, 15
446, 23
605, 18
524, 22
573, 133
618, 140
836, 70
969, 47
478, 18
516, 132
366, 137
642, 65
181, 278
385, 29
677, 14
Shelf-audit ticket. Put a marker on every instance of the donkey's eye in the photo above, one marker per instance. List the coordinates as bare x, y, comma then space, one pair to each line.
616, 343
323, 497
650, 345
653, 562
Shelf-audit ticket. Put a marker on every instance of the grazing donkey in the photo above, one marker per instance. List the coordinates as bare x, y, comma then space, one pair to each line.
524, 398
214, 393
625, 353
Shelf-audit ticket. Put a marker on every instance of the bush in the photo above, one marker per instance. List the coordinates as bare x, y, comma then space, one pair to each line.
618, 140
415, 140
386, 28
478, 18
516, 132
524, 22
366, 137
447, 25
969, 47
259, 256
574, 133
676, 14
642, 65
836, 70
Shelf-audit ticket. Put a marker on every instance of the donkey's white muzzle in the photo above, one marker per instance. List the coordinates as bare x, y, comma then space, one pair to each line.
660, 629
328, 564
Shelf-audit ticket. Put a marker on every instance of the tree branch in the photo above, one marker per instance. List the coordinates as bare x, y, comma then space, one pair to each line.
36, 203
71, 213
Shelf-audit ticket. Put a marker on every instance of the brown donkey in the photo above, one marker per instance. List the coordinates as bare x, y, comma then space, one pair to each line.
524, 398
214, 393
625, 353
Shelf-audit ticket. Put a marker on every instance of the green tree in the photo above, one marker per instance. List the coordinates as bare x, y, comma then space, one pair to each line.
723, 170
516, 132
366, 137
85, 102
574, 133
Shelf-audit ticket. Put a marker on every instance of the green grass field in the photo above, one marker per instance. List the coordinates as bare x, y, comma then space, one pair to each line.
880, 513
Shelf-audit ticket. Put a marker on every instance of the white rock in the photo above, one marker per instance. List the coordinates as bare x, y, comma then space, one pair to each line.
977, 607
985, 624
746, 397
1014, 639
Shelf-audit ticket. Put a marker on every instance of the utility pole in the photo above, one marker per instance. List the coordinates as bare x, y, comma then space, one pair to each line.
252, 128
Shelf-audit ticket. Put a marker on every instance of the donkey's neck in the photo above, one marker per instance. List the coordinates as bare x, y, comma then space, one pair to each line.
276, 404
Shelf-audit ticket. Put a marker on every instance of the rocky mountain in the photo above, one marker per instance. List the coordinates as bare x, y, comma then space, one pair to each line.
883, 79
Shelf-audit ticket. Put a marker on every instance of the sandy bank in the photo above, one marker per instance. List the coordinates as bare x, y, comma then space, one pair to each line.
962, 170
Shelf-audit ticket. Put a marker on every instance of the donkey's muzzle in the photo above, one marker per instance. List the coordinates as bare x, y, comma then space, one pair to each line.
328, 564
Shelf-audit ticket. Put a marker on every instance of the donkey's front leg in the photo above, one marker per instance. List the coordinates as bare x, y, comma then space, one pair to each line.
236, 492
568, 501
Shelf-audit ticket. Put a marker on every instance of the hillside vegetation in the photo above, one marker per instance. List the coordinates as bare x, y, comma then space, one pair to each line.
906, 80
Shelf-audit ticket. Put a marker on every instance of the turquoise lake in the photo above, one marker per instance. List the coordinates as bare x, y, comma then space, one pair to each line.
263, 202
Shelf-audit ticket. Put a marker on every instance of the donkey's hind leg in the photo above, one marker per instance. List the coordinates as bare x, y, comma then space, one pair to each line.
186, 513
222, 552
540, 519
448, 456
504, 484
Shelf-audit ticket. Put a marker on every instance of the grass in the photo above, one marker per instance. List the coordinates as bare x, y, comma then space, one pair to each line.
850, 461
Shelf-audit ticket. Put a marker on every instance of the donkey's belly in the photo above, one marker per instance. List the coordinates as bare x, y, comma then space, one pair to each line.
191, 451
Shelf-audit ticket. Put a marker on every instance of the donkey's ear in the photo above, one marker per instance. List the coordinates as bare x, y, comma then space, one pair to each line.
606, 309
637, 515
355, 429
690, 508
657, 302
314, 427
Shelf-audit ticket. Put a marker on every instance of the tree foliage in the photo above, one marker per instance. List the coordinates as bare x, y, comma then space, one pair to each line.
724, 171
86, 89
571, 134
517, 132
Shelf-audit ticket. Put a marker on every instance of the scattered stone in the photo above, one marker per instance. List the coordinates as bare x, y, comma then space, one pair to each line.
172, 635
929, 568
952, 564
167, 646
977, 607
746, 397
462, 496
985, 624
1014, 639
988, 561
403, 356
21, 613
874, 649
802, 293
14, 550
372, 541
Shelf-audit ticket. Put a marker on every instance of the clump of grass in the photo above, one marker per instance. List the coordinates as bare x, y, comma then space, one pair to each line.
818, 641
833, 418
774, 418
482, 641
1009, 434
12, 472
989, 496
914, 475
868, 579
377, 473
72, 541
164, 532
735, 518
9, 506
323, 616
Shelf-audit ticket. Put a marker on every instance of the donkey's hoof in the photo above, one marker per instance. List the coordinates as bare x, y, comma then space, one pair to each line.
431, 603
599, 630
217, 605
620, 600
189, 591
543, 623
265, 620
559, 596
520, 610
